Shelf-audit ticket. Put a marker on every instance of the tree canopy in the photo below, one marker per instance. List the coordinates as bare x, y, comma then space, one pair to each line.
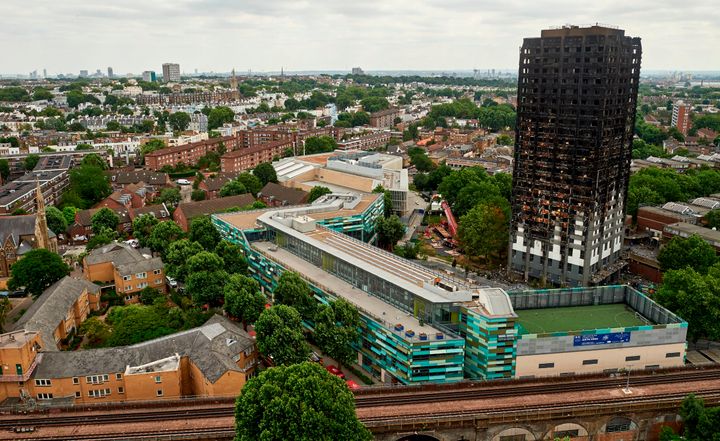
691, 252
243, 299
143, 226
318, 191
483, 231
179, 121
390, 230
163, 235
37, 270
55, 220
204, 232
280, 335
205, 278
177, 256
319, 144
299, 402
265, 172
219, 116
292, 290
88, 186
337, 330
232, 188
104, 218
233, 257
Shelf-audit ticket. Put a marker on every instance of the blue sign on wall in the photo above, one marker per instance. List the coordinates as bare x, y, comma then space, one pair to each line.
601, 339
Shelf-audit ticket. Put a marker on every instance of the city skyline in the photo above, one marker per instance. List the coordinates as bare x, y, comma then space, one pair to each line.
215, 35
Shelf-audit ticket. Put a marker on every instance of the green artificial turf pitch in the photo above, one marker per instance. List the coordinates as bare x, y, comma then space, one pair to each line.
577, 318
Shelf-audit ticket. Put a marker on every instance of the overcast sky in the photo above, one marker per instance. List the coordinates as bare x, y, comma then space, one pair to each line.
263, 35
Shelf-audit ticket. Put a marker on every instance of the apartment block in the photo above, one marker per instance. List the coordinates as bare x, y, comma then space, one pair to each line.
577, 94
241, 160
188, 153
123, 267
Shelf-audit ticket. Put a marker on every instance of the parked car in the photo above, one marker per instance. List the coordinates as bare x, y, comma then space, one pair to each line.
171, 282
352, 385
183, 182
314, 357
335, 371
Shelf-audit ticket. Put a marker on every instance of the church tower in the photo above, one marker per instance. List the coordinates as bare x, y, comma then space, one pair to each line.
41, 229
234, 85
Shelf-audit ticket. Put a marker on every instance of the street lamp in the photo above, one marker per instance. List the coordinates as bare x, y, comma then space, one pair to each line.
627, 384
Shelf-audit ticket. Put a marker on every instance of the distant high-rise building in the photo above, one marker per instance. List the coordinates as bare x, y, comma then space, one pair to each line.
110, 72
83, 74
149, 76
44, 73
681, 117
171, 72
358, 71
577, 92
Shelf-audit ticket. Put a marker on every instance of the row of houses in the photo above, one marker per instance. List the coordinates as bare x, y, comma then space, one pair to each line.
215, 359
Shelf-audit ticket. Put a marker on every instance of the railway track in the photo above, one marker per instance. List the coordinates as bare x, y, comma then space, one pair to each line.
166, 435
390, 398
509, 390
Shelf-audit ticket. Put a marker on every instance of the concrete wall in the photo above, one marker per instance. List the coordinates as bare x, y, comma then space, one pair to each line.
567, 362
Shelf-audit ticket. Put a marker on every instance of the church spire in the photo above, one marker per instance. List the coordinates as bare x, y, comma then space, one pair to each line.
41, 229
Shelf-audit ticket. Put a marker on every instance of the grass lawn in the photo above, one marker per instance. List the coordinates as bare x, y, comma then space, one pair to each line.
577, 318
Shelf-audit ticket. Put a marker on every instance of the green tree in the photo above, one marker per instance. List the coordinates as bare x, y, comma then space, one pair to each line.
374, 103
319, 144
55, 220
103, 236
420, 159
691, 252
233, 257
265, 172
31, 161
280, 335
219, 116
68, 212
204, 232
504, 140
163, 235
696, 298
292, 290
96, 332
143, 226
94, 160
337, 330
170, 196
713, 219
206, 278
88, 185
483, 231
179, 121
104, 218
4, 170
390, 230
177, 256
299, 402
151, 146
387, 200
251, 182
232, 188
37, 270
197, 195
243, 299
137, 323
318, 191
113, 126
149, 295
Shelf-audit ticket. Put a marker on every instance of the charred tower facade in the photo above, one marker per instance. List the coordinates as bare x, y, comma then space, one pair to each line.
577, 94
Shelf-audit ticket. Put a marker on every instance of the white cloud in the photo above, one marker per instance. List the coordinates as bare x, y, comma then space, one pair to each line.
134, 35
